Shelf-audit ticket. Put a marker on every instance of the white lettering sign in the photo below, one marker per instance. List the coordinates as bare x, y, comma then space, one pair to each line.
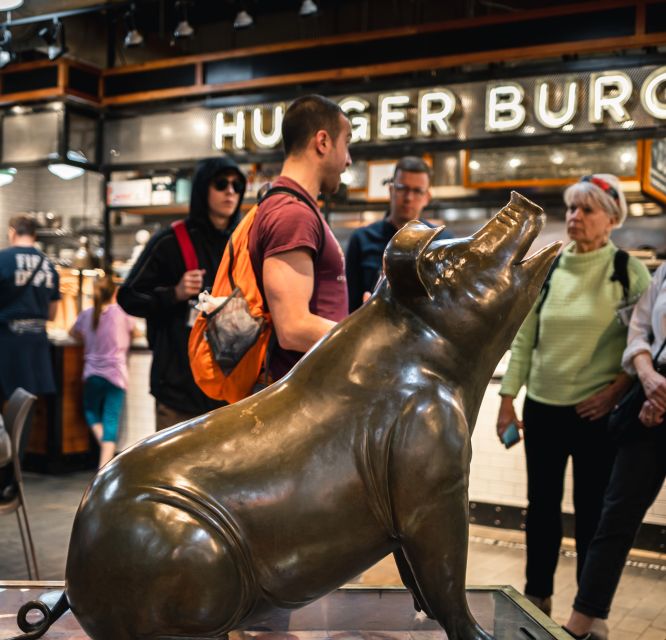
393, 117
555, 119
504, 108
271, 139
650, 94
234, 129
609, 91
355, 109
449, 111
436, 107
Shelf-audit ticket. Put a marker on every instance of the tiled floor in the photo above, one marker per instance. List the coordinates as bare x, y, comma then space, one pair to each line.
496, 557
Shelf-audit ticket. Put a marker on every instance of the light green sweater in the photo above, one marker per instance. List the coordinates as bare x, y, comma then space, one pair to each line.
580, 340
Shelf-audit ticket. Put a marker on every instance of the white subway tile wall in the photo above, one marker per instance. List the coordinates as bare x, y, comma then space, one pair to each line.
37, 189
498, 475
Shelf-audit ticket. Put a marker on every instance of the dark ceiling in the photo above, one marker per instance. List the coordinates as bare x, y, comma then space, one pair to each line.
97, 37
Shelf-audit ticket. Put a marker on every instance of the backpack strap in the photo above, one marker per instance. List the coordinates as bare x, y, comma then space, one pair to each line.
185, 244
273, 191
621, 272
545, 288
302, 198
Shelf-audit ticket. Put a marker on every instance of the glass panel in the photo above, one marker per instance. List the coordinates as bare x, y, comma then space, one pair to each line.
555, 162
30, 136
83, 135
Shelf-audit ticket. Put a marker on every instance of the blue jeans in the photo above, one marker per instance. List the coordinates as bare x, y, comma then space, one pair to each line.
103, 403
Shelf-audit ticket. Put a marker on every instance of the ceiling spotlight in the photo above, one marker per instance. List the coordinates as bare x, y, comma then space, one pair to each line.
308, 8
5, 57
10, 5
183, 28
6, 54
7, 176
133, 38
243, 20
54, 37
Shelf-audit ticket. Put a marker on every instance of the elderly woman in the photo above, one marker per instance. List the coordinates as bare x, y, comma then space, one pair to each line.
568, 354
630, 493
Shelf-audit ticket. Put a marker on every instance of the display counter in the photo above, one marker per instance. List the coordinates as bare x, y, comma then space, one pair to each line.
59, 439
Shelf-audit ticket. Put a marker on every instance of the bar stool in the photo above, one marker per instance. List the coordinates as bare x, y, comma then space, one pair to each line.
17, 416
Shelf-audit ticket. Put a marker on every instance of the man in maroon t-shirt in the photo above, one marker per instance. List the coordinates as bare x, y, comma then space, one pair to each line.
298, 263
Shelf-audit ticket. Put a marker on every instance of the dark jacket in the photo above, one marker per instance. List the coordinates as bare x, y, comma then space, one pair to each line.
149, 292
363, 260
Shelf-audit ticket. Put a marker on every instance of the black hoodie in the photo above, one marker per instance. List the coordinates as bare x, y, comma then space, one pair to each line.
149, 292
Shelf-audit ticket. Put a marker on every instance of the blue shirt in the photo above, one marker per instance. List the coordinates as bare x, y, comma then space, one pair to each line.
364, 258
16, 266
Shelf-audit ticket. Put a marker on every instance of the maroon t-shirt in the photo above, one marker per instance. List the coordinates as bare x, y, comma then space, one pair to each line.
284, 223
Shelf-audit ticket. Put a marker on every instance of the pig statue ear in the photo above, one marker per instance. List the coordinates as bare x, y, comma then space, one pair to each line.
402, 256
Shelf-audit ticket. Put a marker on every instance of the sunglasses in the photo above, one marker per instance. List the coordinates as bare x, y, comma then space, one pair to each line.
221, 184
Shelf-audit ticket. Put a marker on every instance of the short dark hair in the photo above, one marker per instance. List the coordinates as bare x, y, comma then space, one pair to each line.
24, 224
305, 116
413, 164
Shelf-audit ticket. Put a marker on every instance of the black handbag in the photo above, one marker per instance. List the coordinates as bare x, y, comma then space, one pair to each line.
623, 423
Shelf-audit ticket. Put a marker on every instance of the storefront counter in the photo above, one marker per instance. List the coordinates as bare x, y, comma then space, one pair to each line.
59, 439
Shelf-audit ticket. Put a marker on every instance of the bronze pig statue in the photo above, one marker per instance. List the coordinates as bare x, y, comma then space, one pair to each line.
361, 451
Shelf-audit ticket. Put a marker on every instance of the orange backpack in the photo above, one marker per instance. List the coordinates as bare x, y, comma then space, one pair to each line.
236, 271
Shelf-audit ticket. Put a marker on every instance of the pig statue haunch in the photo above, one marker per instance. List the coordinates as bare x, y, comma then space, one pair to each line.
361, 451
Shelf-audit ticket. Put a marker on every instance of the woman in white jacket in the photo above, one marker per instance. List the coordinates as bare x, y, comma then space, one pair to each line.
638, 471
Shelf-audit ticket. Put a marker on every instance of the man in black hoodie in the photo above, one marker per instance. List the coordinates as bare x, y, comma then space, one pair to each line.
160, 289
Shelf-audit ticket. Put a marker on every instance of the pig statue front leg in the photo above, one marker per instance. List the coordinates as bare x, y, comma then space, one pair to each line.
431, 511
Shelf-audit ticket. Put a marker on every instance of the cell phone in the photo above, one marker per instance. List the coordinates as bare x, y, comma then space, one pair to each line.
511, 435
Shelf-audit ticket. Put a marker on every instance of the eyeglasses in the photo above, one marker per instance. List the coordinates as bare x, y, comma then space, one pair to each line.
403, 189
221, 184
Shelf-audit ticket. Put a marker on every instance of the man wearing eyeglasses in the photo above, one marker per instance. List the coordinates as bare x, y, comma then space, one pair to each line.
161, 289
409, 192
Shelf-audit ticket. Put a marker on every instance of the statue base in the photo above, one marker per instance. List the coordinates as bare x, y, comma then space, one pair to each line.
350, 613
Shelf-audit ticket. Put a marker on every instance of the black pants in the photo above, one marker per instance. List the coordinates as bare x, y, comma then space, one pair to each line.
552, 435
638, 473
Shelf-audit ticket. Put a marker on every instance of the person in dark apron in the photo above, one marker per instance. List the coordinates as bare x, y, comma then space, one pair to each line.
29, 294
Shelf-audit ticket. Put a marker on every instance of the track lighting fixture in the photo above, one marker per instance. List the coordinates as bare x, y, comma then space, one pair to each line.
308, 8
54, 37
183, 28
6, 54
243, 20
133, 38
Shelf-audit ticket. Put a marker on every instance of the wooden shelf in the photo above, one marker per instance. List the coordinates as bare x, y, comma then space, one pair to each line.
168, 209
157, 210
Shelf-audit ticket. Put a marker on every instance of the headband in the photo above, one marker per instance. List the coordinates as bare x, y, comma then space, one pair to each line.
604, 186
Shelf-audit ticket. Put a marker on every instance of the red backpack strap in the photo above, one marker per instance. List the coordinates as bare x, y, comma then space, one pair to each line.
185, 244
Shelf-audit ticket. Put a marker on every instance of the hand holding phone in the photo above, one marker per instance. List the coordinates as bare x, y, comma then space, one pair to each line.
511, 435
